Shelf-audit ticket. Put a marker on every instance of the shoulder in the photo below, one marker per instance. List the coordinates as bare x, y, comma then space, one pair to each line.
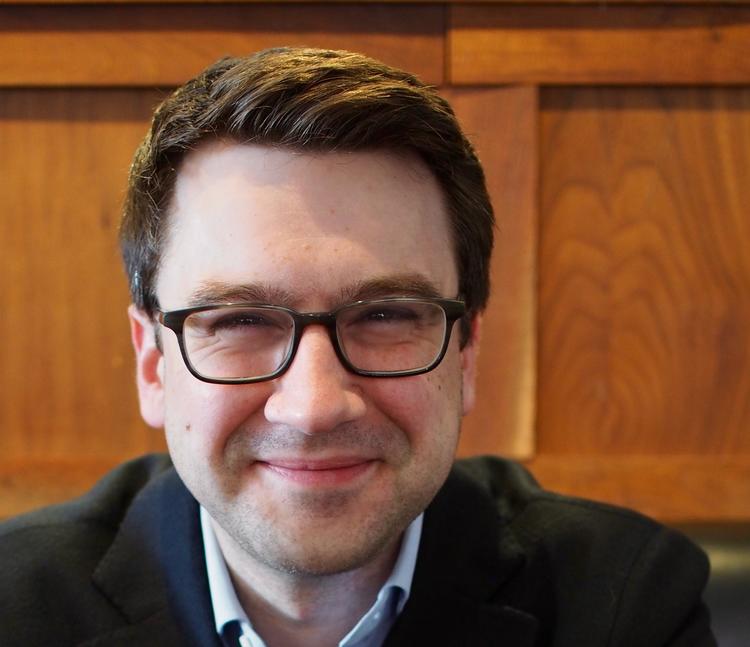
539, 516
103, 507
544, 521
53, 552
632, 578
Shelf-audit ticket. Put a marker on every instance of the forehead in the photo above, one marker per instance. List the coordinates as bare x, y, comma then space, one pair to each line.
302, 223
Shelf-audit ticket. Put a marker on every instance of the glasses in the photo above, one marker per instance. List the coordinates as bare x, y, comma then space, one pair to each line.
245, 343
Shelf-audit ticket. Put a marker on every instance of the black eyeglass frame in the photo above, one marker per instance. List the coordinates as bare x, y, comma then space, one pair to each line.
453, 309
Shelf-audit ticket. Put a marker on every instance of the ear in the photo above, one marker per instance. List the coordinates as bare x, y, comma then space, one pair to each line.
148, 367
469, 354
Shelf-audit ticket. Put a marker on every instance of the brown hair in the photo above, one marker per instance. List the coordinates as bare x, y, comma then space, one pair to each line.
306, 99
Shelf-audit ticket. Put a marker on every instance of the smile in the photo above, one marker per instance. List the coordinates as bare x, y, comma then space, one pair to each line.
322, 473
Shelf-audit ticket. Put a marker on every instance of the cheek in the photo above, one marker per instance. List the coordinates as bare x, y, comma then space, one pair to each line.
427, 408
200, 417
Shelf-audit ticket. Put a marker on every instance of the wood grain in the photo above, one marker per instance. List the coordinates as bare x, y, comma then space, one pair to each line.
597, 44
628, 381
644, 302
502, 123
66, 385
111, 45
67, 375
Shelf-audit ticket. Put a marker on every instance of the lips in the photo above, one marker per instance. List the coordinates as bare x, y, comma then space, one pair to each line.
318, 473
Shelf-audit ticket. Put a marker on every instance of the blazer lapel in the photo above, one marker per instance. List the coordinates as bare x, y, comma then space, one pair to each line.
466, 558
155, 572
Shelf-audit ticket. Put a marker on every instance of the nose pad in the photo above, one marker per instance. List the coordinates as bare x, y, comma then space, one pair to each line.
316, 393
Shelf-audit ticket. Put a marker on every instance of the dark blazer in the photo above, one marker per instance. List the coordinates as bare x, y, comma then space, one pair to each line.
501, 562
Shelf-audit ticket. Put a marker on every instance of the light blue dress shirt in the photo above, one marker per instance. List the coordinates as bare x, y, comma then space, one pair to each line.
372, 628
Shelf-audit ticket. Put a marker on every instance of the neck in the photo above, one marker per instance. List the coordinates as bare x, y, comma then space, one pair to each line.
292, 609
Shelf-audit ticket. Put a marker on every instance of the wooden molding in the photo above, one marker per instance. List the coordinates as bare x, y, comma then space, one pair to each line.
599, 44
503, 125
164, 45
671, 488
26, 485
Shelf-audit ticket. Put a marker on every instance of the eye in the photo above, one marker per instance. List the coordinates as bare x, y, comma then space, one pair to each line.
240, 320
387, 314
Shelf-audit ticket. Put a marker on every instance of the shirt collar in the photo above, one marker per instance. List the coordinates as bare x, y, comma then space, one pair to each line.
403, 570
223, 597
227, 607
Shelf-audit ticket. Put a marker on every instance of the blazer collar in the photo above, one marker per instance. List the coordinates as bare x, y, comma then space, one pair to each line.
467, 556
155, 571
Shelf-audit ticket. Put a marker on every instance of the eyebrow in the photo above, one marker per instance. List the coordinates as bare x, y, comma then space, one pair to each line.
408, 285
220, 292
413, 284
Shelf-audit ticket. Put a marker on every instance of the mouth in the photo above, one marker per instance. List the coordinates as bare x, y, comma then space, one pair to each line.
333, 472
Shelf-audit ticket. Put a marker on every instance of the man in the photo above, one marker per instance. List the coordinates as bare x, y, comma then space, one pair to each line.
307, 236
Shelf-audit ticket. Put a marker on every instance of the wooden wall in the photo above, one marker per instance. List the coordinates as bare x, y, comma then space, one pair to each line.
616, 354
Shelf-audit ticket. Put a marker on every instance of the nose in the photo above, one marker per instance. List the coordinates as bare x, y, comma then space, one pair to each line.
316, 393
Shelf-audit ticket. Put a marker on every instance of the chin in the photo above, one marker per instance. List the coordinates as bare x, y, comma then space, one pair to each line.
320, 545
329, 560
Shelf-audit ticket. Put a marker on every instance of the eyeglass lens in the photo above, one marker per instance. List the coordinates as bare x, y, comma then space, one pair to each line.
254, 341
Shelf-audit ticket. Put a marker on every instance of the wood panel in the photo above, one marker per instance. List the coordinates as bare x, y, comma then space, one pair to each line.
90, 45
639, 394
599, 44
502, 123
67, 375
68, 403
644, 302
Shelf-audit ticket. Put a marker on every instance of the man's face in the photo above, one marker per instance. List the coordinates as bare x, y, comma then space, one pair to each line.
318, 470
